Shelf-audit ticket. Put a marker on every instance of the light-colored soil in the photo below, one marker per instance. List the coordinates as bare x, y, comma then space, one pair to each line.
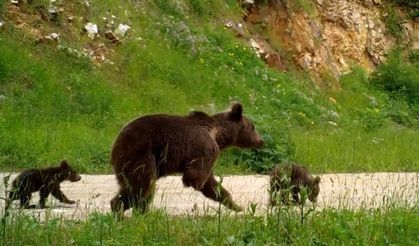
340, 191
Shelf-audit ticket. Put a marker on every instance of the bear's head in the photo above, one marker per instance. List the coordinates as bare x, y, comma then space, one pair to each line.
239, 128
68, 172
314, 189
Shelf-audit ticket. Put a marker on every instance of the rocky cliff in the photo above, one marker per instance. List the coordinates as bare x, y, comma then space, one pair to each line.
325, 37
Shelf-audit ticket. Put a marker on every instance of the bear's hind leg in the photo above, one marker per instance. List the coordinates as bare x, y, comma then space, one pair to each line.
11, 197
120, 202
141, 203
137, 180
143, 192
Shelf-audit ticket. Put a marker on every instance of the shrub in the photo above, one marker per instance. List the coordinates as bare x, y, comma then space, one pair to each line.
398, 77
278, 147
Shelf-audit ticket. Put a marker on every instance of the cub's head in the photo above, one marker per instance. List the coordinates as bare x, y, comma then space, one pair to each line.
314, 189
68, 172
240, 128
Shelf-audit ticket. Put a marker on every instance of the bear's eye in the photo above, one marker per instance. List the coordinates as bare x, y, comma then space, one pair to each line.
253, 127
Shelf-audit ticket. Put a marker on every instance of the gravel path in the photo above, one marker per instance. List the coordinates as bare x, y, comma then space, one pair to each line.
351, 191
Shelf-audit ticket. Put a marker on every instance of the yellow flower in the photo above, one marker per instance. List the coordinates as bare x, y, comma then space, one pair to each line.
332, 100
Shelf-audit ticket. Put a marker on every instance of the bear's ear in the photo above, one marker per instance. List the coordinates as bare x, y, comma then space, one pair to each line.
64, 164
316, 180
236, 112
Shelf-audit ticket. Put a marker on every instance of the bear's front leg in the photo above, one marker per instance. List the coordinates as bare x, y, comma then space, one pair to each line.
295, 194
213, 190
43, 194
25, 198
57, 193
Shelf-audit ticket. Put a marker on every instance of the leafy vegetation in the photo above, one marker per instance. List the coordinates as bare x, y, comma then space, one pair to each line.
399, 77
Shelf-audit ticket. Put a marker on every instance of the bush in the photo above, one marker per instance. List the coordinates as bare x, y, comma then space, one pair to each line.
277, 148
398, 77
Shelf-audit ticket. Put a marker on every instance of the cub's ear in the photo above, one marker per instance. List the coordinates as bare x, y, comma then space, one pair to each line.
316, 180
64, 164
236, 112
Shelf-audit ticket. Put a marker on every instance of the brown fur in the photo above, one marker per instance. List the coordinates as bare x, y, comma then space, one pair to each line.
46, 181
293, 178
154, 146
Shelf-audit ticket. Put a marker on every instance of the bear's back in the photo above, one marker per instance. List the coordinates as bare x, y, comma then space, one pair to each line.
176, 137
30, 180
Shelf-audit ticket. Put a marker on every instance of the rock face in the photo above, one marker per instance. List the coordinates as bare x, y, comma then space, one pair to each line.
328, 37
414, 32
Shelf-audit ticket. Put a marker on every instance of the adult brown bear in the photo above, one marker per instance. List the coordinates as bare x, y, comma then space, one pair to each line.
154, 146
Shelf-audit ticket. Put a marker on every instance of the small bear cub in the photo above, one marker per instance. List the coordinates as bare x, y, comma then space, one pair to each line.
291, 178
46, 180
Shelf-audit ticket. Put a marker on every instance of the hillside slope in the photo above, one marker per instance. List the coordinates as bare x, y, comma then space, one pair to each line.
65, 93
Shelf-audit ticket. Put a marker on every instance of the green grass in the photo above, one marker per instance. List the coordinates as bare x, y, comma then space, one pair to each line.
56, 105
358, 150
394, 226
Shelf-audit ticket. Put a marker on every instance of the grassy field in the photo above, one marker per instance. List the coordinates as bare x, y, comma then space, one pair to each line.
387, 226
56, 105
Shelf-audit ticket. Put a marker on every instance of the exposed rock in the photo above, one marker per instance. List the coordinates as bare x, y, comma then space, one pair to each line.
368, 3
53, 10
341, 32
91, 30
267, 53
305, 61
237, 28
409, 32
53, 13
415, 44
53, 37
122, 29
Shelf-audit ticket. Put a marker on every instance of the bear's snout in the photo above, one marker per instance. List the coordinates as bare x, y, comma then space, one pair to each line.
258, 143
75, 178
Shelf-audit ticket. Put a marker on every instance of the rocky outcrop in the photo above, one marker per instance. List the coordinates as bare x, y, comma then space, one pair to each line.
327, 38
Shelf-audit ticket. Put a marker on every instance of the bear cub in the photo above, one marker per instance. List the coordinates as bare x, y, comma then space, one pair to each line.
292, 178
46, 181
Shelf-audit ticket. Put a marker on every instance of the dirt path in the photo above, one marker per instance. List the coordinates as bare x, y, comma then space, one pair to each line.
352, 191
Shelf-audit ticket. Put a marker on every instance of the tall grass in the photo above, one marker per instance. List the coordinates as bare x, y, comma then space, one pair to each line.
358, 150
283, 227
